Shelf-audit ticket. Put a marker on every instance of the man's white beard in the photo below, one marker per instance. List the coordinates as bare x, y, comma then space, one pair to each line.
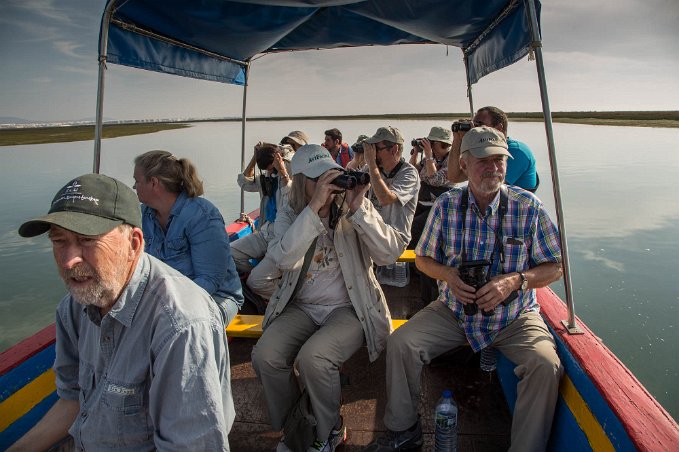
100, 292
490, 183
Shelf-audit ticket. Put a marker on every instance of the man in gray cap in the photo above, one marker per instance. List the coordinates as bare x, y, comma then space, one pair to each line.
394, 182
505, 234
141, 355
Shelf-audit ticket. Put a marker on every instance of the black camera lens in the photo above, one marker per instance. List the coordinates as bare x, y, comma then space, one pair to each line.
345, 181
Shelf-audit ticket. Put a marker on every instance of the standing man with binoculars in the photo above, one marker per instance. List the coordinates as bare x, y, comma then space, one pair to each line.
520, 169
509, 229
394, 182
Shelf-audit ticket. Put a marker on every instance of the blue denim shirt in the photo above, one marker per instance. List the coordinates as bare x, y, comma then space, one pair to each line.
153, 373
196, 244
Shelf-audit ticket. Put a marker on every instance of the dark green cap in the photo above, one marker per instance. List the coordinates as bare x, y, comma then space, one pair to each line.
91, 204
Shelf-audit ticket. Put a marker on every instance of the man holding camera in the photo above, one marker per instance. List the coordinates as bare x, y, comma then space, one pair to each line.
520, 169
394, 182
509, 229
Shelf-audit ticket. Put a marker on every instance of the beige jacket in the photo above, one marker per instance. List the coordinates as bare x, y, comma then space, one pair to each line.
360, 240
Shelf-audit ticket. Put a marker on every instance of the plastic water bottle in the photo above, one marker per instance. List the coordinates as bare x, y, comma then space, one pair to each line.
445, 417
488, 359
395, 274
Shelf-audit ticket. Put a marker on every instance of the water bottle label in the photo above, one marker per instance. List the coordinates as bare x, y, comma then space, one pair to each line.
445, 422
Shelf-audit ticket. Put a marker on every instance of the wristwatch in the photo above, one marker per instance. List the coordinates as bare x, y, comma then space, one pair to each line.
524, 281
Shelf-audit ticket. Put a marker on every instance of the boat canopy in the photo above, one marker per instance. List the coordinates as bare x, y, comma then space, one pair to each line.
216, 39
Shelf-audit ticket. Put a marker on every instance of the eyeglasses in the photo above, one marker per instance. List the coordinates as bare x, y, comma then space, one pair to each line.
378, 149
444, 145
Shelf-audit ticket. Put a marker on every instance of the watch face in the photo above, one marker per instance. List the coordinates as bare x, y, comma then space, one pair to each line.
524, 283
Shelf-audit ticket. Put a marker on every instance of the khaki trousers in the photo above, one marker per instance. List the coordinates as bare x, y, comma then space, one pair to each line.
318, 352
526, 342
264, 276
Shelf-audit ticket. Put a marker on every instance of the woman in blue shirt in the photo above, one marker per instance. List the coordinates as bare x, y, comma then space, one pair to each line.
184, 230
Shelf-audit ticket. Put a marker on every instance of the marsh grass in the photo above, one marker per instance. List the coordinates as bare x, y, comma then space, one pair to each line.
64, 134
19, 136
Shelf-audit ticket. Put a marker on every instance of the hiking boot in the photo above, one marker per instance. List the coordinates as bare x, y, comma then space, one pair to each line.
337, 438
410, 439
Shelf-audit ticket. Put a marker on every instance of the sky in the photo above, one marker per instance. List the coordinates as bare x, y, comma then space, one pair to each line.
598, 55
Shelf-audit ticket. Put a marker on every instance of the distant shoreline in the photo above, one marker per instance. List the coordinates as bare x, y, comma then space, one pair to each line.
63, 134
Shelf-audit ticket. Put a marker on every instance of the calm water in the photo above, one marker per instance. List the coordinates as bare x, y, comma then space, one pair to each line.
618, 191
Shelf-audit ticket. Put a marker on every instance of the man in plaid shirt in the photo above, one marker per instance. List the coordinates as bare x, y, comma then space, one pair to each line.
509, 228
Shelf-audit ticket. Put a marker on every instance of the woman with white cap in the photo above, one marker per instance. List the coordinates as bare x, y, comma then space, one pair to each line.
328, 303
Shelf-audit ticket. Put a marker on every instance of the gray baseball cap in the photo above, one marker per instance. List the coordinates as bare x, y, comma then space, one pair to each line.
483, 142
312, 160
91, 204
390, 134
297, 136
440, 134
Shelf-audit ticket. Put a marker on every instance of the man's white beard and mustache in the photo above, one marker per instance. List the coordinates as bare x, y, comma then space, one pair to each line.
491, 181
90, 288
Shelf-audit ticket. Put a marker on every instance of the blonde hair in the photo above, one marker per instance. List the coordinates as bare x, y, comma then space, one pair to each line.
297, 194
175, 174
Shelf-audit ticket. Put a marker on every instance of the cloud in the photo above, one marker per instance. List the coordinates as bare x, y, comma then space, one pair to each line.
41, 80
68, 48
589, 255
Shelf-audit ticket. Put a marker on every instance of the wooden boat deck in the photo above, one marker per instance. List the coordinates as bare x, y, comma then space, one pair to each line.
484, 420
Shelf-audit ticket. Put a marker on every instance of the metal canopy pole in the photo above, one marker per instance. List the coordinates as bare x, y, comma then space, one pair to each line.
242, 140
570, 325
103, 52
469, 85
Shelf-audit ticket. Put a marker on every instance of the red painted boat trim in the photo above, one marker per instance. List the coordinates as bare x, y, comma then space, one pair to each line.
236, 226
11, 358
648, 424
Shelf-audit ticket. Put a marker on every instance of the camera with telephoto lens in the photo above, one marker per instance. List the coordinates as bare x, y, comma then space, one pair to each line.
350, 179
463, 125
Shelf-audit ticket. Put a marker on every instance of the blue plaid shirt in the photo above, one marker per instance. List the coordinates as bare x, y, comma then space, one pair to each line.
529, 237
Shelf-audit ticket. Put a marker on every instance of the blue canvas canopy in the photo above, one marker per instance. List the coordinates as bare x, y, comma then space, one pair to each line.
216, 39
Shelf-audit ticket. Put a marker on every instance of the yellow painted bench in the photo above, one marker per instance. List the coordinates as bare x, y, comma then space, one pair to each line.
250, 326
407, 256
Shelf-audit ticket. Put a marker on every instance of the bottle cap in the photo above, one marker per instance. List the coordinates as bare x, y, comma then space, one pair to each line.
448, 394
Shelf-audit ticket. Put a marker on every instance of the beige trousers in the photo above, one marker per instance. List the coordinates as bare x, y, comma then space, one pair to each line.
264, 276
318, 352
526, 342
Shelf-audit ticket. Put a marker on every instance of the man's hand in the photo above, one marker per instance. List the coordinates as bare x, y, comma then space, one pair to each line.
463, 292
370, 155
426, 147
496, 291
355, 197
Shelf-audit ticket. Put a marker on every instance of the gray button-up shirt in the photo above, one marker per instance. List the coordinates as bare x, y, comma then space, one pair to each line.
153, 373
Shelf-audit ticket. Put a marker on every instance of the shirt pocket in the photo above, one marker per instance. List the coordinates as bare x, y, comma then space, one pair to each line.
177, 250
127, 406
516, 254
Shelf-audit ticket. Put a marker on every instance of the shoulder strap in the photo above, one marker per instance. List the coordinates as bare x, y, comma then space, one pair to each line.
305, 266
